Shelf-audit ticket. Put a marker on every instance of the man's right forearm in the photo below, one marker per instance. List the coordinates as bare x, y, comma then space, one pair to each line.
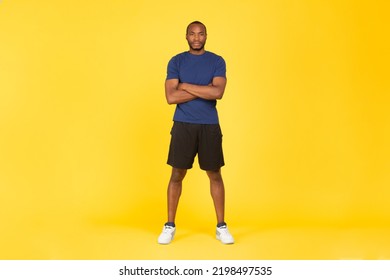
179, 96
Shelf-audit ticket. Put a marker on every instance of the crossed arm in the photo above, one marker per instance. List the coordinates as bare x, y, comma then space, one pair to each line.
177, 93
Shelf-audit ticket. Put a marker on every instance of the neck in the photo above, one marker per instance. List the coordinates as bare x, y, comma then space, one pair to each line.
197, 52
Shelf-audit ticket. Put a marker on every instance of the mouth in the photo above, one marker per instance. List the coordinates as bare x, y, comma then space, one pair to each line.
194, 45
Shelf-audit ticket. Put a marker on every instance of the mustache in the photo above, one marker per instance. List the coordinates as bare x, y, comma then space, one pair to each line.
199, 45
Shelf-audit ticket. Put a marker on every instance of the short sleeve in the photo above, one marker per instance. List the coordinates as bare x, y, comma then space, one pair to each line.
173, 69
220, 69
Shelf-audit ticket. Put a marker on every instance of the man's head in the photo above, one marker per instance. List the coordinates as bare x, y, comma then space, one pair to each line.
196, 37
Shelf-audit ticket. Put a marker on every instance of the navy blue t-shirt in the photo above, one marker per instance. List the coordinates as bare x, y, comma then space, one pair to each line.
197, 70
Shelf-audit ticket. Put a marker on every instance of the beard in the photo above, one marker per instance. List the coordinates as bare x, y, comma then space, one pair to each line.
198, 47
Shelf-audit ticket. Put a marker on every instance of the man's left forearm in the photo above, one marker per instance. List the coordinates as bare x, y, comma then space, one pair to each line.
210, 92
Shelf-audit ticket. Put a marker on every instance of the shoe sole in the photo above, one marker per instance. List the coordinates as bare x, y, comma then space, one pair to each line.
227, 243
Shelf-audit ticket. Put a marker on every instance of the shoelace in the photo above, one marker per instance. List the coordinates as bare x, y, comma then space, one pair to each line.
223, 230
167, 229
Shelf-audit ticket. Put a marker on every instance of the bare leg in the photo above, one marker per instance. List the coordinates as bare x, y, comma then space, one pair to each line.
174, 191
217, 190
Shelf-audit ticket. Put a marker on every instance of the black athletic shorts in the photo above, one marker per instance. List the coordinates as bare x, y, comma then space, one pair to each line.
189, 139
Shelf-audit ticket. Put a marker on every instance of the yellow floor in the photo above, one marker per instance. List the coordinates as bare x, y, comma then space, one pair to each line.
117, 242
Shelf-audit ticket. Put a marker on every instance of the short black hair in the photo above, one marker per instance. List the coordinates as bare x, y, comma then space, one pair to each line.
196, 22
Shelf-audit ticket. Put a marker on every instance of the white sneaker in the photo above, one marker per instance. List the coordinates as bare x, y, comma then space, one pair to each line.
224, 235
166, 235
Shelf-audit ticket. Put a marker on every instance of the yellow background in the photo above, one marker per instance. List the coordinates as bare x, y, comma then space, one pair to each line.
84, 129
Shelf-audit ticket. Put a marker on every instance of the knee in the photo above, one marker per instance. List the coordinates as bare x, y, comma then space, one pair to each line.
215, 176
178, 175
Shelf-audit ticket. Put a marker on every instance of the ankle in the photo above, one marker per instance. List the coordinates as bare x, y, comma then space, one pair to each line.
170, 224
221, 224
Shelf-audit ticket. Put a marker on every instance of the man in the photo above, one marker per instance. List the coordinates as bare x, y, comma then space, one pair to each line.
195, 80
